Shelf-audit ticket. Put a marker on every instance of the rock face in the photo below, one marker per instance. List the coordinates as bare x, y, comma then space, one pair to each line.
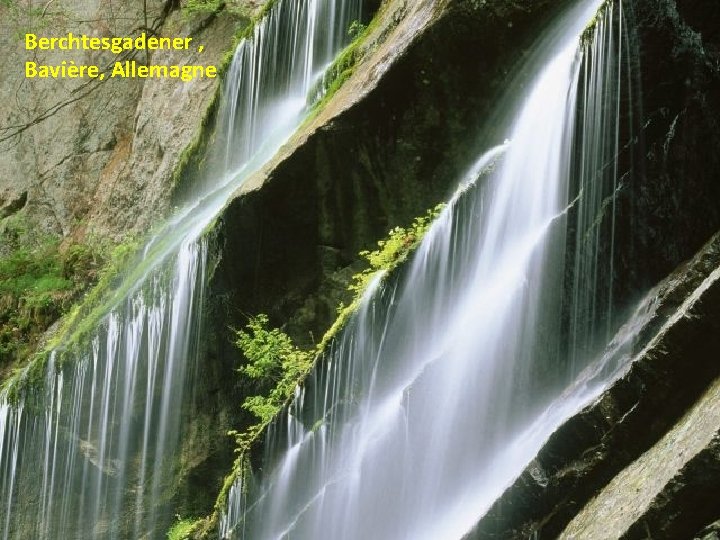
668, 492
84, 154
81, 158
378, 162
668, 209
649, 466
675, 357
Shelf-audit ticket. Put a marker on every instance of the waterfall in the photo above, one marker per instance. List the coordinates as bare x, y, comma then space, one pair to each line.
453, 372
93, 451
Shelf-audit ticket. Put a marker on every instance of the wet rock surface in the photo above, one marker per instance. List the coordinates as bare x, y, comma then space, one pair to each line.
666, 210
669, 491
670, 371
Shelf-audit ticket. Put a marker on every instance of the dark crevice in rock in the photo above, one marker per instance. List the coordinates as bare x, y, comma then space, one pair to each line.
13, 206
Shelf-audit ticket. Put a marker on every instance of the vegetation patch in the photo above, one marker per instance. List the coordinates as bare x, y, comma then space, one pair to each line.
588, 33
344, 65
272, 360
276, 366
92, 267
181, 530
193, 7
245, 32
40, 280
391, 252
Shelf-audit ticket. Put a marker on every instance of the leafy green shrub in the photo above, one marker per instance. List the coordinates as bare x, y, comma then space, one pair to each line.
356, 29
272, 360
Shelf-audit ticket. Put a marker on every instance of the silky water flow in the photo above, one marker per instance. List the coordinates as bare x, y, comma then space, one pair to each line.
455, 370
92, 452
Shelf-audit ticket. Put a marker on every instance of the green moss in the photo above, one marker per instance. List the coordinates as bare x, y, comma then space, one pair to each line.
344, 65
81, 317
193, 7
341, 69
188, 156
588, 33
182, 529
391, 252
85, 316
31, 376
40, 279
246, 32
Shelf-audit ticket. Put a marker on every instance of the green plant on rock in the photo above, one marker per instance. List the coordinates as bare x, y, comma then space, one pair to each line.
244, 32
181, 529
391, 252
344, 65
193, 7
39, 281
274, 360
356, 29
92, 266
276, 364
588, 32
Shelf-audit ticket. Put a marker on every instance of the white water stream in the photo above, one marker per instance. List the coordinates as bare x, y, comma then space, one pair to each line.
450, 377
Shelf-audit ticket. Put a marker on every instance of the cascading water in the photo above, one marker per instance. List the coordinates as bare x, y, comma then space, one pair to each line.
445, 383
92, 453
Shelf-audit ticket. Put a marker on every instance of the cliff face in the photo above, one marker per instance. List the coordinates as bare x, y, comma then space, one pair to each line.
374, 163
610, 468
85, 163
391, 143
84, 154
668, 208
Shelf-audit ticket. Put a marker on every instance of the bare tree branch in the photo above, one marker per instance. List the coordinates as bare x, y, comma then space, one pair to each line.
85, 89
